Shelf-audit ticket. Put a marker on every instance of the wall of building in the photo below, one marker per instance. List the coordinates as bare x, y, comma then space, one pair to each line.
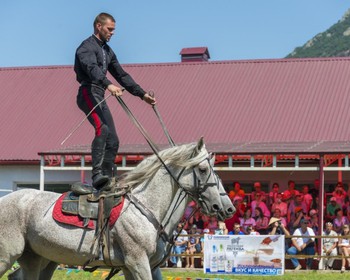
12, 176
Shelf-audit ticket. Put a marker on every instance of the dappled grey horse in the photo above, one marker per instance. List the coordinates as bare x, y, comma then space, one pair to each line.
30, 235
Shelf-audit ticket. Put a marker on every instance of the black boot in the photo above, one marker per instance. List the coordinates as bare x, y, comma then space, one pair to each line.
108, 166
98, 178
108, 169
99, 181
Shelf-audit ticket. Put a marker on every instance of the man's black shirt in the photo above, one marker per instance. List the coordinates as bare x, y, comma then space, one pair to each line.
92, 60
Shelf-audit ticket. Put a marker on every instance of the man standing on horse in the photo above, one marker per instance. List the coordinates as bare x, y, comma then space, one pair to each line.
93, 59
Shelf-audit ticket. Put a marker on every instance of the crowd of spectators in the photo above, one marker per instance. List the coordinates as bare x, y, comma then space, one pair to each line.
288, 212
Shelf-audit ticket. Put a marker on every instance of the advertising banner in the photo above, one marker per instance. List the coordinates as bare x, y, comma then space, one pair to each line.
244, 254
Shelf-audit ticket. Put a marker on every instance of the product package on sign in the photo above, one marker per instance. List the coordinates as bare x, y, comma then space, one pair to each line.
244, 254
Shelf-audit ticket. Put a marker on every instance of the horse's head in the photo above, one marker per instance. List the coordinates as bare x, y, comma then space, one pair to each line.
207, 188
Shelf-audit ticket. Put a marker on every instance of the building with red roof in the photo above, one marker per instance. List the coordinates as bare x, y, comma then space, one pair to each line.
282, 115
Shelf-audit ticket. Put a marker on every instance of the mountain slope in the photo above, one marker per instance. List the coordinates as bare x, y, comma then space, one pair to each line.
333, 42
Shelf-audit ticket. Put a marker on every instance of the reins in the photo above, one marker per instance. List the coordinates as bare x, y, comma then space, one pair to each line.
176, 180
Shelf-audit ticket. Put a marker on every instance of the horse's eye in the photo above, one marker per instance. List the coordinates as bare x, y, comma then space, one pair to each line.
202, 170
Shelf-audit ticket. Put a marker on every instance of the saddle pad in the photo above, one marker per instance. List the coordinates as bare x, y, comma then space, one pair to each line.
76, 220
69, 219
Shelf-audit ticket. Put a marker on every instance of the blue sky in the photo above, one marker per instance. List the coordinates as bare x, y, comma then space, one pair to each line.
44, 32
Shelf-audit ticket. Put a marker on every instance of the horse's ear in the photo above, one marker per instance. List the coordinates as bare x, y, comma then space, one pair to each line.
212, 159
200, 144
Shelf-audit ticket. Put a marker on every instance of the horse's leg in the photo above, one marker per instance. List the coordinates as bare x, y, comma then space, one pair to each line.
4, 266
45, 274
48, 271
11, 247
139, 267
16, 275
31, 265
156, 274
127, 274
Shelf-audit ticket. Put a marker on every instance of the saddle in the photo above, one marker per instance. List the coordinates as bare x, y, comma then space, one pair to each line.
83, 202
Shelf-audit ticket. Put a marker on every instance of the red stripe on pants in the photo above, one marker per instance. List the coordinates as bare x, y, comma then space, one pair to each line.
94, 115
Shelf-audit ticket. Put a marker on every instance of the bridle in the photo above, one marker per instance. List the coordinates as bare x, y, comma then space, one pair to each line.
201, 187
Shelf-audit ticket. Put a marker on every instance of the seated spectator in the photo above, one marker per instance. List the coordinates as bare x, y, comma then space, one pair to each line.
304, 245
276, 227
236, 230
237, 191
314, 220
340, 194
314, 224
197, 220
257, 202
295, 220
290, 193
273, 193
251, 231
212, 225
246, 220
296, 203
347, 200
261, 222
279, 204
240, 207
315, 188
221, 230
180, 245
348, 212
189, 209
344, 247
330, 210
277, 214
193, 246
307, 198
329, 246
314, 191
257, 190
339, 220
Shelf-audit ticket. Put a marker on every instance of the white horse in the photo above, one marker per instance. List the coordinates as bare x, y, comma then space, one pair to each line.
29, 234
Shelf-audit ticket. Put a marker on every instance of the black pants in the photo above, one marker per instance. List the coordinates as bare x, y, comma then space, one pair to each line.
105, 145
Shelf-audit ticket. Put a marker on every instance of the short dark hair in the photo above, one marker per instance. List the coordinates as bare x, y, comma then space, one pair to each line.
102, 18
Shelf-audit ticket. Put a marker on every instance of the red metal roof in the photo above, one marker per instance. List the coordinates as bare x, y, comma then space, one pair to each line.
233, 102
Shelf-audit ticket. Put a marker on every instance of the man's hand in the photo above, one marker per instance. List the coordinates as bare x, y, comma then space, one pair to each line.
114, 90
149, 99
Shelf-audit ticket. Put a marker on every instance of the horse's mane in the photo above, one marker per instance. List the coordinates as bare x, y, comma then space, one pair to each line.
179, 156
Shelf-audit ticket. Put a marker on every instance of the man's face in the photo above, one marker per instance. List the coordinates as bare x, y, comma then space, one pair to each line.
304, 225
105, 30
277, 213
329, 227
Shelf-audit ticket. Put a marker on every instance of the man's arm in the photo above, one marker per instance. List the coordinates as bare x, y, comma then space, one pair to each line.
123, 78
126, 81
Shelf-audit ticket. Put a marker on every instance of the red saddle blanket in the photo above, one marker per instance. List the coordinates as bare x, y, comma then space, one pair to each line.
76, 220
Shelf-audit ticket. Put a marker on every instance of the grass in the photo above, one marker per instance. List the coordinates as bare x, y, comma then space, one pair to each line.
184, 274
